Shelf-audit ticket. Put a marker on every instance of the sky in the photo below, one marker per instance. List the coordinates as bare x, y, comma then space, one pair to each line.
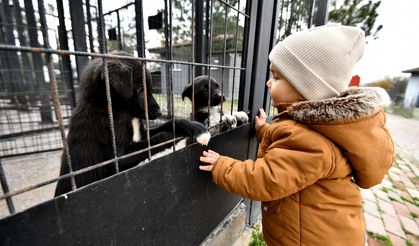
397, 48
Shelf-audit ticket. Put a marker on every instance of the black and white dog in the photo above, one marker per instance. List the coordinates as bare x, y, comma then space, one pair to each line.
208, 98
89, 136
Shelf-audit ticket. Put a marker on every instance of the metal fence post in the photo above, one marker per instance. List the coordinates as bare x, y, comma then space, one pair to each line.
258, 46
66, 62
79, 33
321, 15
199, 36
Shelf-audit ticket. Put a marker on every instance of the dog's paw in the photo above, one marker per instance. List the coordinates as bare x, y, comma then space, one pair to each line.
241, 117
230, 119
204, 138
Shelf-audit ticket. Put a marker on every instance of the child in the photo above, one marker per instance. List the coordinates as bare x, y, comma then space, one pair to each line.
325, 141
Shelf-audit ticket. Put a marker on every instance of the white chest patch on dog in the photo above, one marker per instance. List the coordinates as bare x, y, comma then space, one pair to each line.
136, 134
214, 116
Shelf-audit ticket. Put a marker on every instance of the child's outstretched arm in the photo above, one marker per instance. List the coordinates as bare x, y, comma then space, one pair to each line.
279, 172
210, 157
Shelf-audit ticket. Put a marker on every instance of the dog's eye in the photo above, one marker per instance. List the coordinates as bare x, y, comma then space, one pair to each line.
205, 89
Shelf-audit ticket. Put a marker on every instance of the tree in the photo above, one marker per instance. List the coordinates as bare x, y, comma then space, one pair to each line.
293, 16
182, 27
360, 13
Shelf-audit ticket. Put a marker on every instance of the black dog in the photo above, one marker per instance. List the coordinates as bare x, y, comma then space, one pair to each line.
89, 136
208, 97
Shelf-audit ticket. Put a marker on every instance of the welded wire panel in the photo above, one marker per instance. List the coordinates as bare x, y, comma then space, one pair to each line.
43, 54
34, 116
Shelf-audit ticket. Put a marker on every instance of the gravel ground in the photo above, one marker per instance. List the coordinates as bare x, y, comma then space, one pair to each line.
29, 170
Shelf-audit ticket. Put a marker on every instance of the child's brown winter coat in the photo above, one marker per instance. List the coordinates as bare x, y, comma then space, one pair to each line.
310, 163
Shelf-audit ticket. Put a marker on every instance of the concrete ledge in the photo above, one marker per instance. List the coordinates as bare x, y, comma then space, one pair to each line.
230, 230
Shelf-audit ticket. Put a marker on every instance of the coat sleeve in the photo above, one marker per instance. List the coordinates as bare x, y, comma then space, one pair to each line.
294, 161
262, 130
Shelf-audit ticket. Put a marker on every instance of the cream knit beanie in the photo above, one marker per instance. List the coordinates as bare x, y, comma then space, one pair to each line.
318, 62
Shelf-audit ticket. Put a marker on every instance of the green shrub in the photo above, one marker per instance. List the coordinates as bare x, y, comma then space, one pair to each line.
257, 237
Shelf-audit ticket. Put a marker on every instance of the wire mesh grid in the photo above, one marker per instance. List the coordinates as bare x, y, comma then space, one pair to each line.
40, 83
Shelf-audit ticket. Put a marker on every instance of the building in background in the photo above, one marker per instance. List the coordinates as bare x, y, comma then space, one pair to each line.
411, 98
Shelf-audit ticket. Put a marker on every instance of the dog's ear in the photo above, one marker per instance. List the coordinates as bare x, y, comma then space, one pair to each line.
187, 92
120, 78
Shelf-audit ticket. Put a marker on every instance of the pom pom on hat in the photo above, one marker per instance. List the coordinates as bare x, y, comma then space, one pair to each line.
318, 62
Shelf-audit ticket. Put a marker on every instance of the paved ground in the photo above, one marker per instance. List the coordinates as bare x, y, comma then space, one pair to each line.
391, 209
24, 171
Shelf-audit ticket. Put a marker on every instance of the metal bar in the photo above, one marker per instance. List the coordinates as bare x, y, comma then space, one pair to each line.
235, 57
68, 71
247, 39
119, 30
170, 48
5, 61
143, 68
224, 57
321, 16
81, 53
4, 77
118, 9
79, 33
310, 14
30, 152
100, 29
12, 57
167, 43
26, 64
211, 25
139, 27
36, 58
277, 13
5, 188
192, 68
54, 89
236, 9
107, 83
281, 22
207, 31
89, 26
199, 36
260, 27
23, 133
86, 169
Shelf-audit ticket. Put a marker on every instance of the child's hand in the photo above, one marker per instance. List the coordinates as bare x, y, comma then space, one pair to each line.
209, 157
260, 119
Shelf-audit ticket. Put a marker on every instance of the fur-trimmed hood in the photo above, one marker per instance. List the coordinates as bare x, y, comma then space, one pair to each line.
354, 104
355, 122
